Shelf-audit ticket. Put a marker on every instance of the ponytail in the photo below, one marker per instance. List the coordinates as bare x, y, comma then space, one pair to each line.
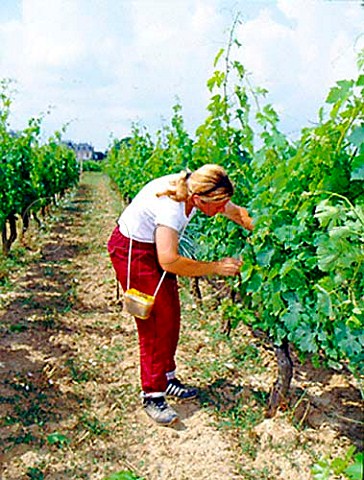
210, 182
178, 189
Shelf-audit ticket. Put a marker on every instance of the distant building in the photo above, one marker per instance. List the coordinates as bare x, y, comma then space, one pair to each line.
85, 151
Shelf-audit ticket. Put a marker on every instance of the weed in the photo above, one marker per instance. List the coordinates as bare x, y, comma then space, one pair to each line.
48, 271
18, 328
48, 323
27, 415
111, 354
351, 466
58, 439
23, 437
4, 277
248, 447
244, 417
124, 475
28, 407
255, 474
9, 400
94, 425
35, 473
68, 298
77, 372
124, 396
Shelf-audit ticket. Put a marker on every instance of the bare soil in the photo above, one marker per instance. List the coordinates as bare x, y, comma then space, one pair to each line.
69, 391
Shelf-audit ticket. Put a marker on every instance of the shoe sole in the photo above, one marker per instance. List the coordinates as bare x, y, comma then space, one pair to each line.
165, 424
182, 399
172, 422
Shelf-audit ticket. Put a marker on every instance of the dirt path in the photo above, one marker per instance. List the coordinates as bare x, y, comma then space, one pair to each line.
69, 379
69, 367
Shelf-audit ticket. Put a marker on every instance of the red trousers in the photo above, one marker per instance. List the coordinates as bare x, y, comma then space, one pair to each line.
159, 334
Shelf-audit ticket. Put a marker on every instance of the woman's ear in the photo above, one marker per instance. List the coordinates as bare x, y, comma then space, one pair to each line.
196, 200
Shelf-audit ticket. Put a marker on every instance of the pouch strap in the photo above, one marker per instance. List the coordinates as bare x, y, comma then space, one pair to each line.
129, 265
129, 268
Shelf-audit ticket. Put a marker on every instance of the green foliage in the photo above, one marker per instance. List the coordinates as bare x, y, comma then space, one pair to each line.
124, 475
303, 272
58, 439
93, 425
35, 473
135, 160
31, 174
355, 471
351, 466
92, 166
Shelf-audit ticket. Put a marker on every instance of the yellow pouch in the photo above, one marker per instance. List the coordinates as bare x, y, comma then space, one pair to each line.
137, 303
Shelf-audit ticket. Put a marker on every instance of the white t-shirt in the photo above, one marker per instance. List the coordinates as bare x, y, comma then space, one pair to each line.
146, 211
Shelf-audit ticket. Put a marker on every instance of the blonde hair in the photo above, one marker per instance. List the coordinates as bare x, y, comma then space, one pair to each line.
210, 182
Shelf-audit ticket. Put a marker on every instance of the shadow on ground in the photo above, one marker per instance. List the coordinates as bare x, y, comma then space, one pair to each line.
336, 404
30, 401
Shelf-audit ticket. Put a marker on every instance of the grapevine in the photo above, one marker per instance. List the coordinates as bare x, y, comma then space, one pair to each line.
302, 281
32, 175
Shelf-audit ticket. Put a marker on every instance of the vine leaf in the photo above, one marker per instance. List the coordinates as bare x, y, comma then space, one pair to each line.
357, 172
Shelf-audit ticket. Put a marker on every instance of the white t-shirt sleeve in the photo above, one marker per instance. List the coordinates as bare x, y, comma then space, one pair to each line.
140, 219
169, 214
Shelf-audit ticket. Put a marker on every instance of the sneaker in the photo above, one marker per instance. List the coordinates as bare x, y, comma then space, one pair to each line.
176, 389
159, 410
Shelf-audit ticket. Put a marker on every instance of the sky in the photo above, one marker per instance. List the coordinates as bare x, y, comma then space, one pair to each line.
97, 66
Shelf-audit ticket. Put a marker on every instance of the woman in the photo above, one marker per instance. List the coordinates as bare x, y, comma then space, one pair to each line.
153, 222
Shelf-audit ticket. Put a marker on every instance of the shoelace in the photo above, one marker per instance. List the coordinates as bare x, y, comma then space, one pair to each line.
159, 403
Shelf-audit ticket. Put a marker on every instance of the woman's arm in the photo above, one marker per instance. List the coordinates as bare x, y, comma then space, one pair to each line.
171, 261
238, 215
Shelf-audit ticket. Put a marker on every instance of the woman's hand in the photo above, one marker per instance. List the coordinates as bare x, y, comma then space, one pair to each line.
171, 261
228, 266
